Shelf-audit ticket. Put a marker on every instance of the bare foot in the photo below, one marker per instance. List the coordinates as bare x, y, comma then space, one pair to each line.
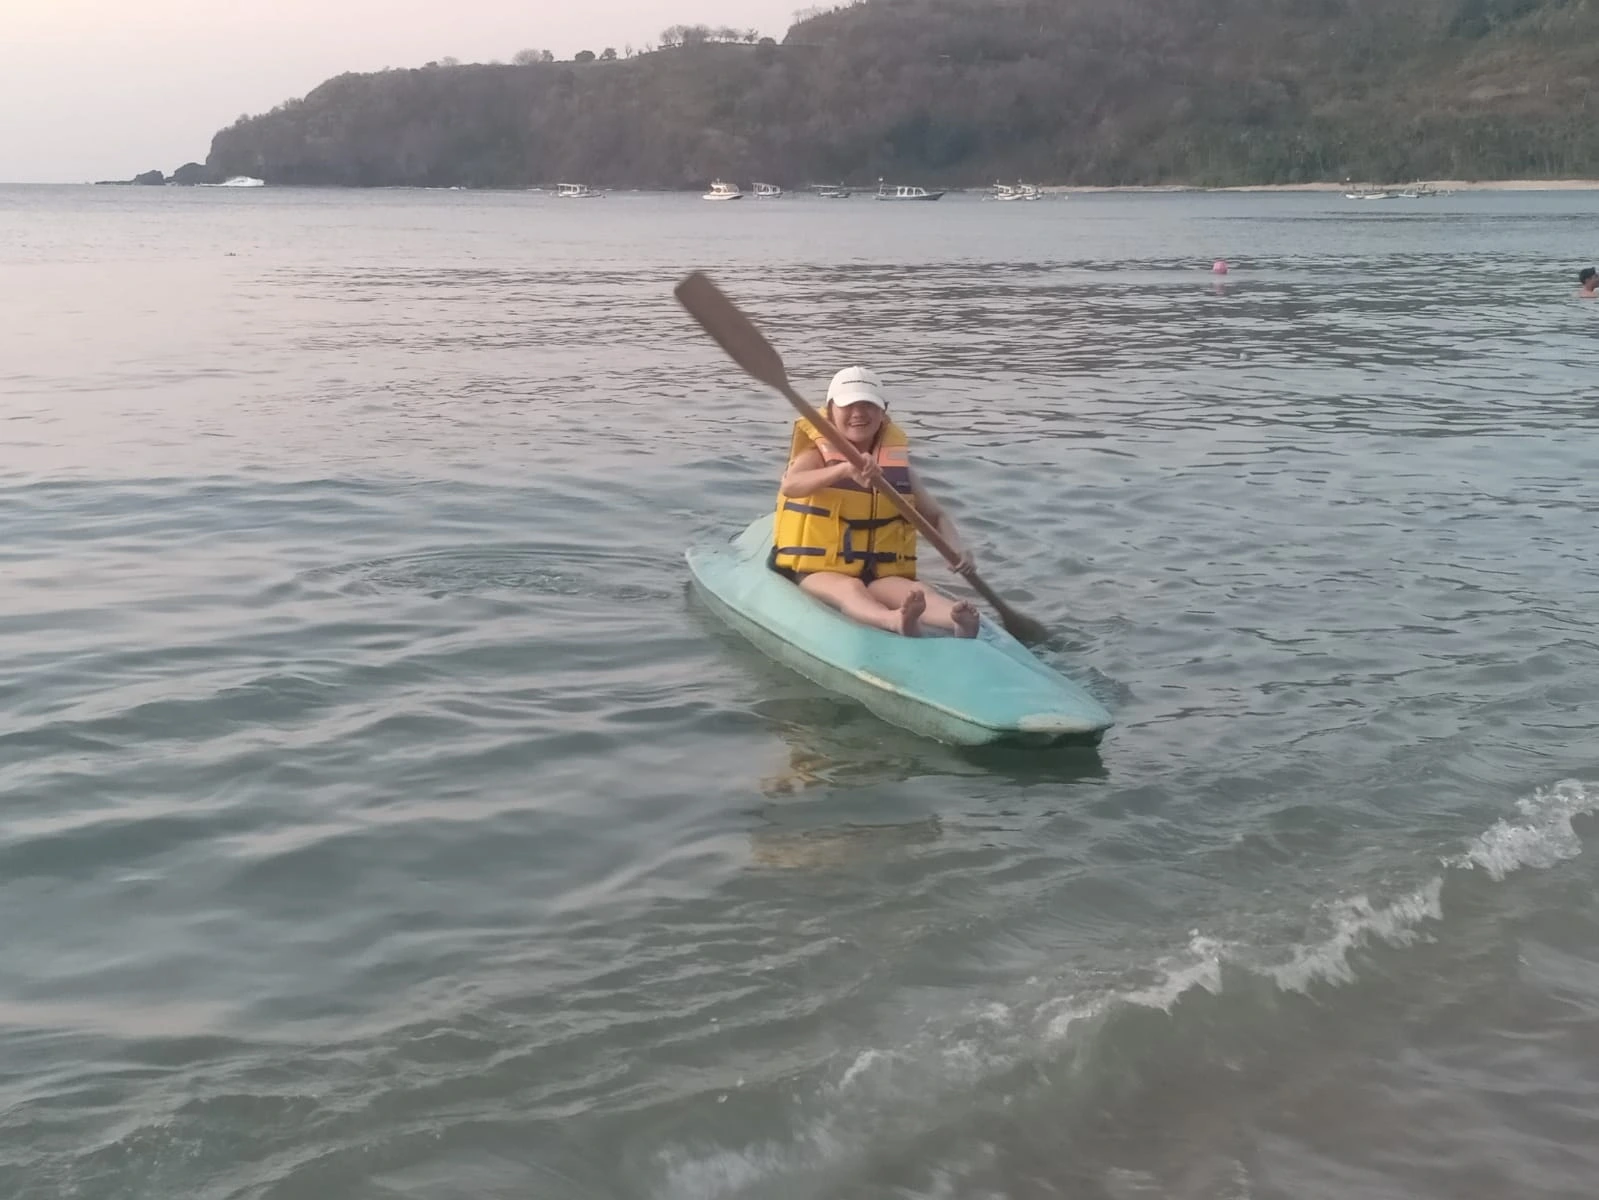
964, 614
910, 612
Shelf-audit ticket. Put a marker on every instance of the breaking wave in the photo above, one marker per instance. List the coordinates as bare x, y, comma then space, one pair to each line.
876, 1095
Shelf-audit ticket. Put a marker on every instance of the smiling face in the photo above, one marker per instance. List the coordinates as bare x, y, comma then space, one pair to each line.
858, 422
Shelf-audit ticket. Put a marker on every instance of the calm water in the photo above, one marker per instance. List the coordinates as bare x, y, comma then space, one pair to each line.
382, 817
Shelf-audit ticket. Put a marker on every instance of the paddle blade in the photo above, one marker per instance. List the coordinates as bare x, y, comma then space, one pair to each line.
731, 329
1023, 628
1020, 626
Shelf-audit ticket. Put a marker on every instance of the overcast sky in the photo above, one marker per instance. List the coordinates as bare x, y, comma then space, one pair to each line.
104, 89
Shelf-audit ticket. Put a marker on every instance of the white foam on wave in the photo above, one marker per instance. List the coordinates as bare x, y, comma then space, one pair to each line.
1543, 838
991, 1037
1356, 922
942, 1059
727, 1172
864, 1062
1198, 966
1060, 1016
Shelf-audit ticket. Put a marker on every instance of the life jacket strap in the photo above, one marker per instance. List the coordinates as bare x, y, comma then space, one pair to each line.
872, 523
849, 554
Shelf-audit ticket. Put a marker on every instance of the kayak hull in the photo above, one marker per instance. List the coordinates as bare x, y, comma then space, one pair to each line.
977, 691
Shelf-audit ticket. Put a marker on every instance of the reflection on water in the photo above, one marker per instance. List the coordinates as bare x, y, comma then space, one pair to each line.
832, 742
819, 849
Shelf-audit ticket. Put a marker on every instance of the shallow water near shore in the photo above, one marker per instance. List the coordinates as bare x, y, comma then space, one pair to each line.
382, 815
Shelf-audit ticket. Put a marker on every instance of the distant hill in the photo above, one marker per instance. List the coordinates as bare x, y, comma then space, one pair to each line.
959, 92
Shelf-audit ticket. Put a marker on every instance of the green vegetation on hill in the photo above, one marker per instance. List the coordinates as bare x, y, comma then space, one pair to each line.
959, 92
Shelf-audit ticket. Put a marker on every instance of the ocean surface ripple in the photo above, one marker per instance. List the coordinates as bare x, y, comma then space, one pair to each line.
382, 815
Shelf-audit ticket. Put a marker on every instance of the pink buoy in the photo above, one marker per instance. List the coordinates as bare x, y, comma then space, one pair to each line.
1219, 267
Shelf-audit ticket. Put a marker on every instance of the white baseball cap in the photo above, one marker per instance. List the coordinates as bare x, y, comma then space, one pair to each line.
856, 385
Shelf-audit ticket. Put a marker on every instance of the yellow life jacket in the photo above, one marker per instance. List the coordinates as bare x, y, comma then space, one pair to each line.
847, 528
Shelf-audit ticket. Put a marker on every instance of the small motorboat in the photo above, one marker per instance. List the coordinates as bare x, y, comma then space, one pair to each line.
902, 192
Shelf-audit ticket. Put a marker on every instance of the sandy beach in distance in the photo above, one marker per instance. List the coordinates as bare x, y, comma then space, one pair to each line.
1442, 185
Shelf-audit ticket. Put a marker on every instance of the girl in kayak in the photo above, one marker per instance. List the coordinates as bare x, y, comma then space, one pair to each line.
845, 544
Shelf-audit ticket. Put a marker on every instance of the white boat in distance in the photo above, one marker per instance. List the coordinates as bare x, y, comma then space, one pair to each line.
1416, 191
1022, 191
902, 192
577, 191
767, 191
831, 191
238, 181
723, 191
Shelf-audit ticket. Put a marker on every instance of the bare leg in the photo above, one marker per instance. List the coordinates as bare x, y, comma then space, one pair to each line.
958, 616
849, 595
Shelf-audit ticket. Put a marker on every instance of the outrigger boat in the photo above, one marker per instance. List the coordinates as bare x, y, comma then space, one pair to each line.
831, 191
767, 191
577, 191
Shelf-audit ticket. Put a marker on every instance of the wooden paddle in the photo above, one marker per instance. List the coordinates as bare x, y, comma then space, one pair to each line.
736, 334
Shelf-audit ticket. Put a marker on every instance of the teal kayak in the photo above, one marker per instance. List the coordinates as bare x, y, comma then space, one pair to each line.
967, 691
